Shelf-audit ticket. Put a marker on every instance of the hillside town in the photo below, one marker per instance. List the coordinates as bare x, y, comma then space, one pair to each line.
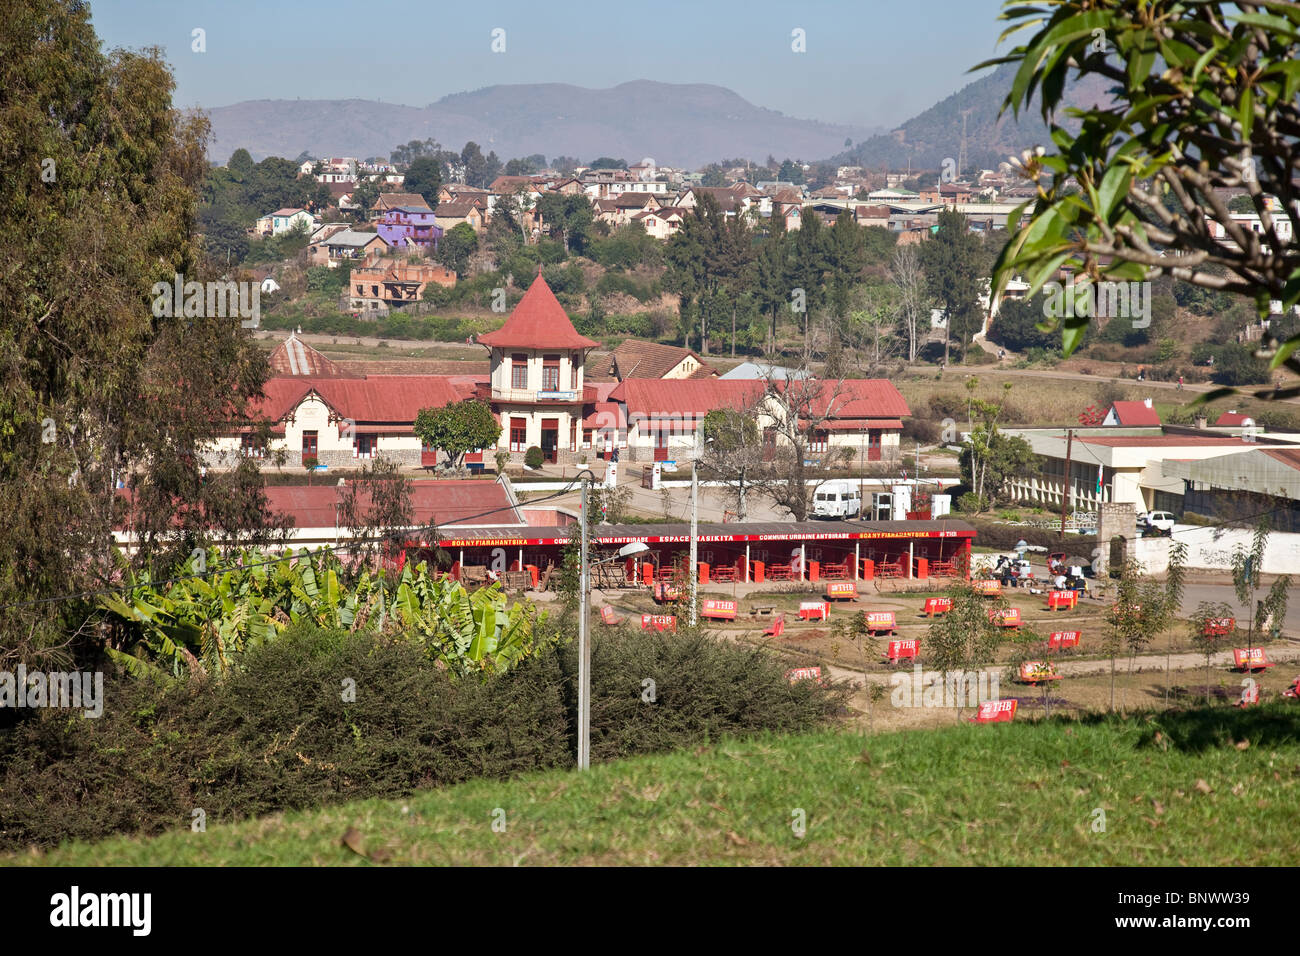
446, 507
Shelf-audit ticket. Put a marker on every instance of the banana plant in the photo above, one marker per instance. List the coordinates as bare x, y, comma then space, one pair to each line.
227, 605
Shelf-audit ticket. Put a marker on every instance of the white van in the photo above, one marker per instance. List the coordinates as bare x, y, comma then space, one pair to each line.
836, 499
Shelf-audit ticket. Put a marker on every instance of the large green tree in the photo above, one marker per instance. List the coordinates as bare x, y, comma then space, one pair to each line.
99, 177
456, 429
951, 260
455, 248
424, 176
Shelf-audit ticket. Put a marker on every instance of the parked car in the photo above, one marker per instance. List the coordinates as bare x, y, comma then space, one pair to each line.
1157, 522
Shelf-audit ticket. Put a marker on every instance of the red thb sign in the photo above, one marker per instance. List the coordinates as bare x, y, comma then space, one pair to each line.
1059, 639
996, 712
719, 610
903, 649
939, 605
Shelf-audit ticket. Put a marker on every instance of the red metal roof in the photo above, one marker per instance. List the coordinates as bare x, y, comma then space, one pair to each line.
293, 356
1135, 413
1233, 418
853, 398
448, 501
393, 399
537, 322
662, 397
1286, 456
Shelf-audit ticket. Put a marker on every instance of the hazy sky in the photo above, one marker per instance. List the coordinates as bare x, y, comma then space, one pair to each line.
870, 62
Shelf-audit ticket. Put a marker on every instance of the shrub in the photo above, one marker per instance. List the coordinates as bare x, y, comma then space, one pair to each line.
278, 735
533, 457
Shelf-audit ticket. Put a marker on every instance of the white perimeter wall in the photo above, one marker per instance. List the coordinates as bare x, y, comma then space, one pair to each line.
1211, 549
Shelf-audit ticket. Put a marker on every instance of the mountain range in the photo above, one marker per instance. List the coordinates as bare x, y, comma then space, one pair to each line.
678, 124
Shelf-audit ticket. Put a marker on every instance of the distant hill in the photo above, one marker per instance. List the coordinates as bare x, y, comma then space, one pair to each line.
676, 124
934, 135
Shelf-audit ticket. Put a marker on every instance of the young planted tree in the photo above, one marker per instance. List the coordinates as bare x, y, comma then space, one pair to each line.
1247, 572
965, 639
1209, 635
1175, 585
455, 429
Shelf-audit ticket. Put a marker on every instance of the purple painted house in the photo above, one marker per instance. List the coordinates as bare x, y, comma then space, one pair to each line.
406, 226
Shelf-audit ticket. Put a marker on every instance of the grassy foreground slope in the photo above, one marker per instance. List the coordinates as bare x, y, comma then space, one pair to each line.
1196, 787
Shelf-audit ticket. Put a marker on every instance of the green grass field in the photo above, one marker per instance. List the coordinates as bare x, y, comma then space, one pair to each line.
1216, 787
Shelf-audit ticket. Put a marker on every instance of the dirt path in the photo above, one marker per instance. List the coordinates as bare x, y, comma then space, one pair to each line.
1284, 653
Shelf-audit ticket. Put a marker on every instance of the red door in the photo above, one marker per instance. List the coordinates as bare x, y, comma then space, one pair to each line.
661, 445
873, 445
769, 444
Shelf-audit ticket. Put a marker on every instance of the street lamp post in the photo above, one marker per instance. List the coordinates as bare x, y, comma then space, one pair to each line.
584, 647
584, 642
695, 533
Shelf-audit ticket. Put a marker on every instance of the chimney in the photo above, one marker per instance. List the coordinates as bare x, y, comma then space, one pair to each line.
1146, 402
1202, 421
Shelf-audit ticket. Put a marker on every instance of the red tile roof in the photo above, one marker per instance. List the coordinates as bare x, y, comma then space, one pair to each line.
537, 322
638, 359
1135, 413
449, 501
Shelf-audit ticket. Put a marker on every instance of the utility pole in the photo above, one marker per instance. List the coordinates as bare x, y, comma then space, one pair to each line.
1065, 488
584, 649
691, 569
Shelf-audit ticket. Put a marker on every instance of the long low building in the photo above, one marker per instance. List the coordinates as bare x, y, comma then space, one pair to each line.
1123, 465
801, 550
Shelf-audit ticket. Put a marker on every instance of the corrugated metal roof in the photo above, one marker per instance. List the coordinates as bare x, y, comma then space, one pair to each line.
440, 502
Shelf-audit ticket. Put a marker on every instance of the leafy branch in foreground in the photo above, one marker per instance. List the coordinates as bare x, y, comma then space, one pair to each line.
1203, 100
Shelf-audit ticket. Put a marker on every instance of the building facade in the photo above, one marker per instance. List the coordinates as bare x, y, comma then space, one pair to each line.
535, 383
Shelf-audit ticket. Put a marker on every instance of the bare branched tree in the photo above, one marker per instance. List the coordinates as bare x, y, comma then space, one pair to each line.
905, 272
798, 407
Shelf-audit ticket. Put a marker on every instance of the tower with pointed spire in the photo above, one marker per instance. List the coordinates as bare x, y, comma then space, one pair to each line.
535, 387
